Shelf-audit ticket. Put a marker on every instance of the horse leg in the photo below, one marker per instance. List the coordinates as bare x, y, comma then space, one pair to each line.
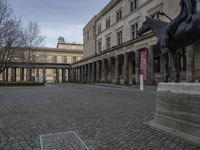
166, 67
176, 61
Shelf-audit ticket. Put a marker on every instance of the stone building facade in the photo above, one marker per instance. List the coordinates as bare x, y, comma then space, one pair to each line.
43, 64
120, 55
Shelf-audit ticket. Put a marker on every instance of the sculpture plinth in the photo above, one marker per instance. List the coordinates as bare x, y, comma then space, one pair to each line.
178, 110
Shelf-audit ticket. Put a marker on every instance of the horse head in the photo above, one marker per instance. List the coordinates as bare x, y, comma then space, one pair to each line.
145, 27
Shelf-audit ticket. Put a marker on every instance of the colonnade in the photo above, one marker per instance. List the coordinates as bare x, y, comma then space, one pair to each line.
25, 74
119, 69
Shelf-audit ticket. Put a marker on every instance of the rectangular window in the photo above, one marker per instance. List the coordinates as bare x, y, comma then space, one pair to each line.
74, 59
134, 30
33, 58
65, 59
156, 64
133, 5
99, 44
107, 23
99, 30
108, 42
119, 14
54, 59
119, 38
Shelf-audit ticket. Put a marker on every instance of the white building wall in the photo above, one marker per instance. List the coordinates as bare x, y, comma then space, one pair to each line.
128, 18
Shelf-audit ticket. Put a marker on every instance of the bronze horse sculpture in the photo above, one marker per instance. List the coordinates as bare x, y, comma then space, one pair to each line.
186, 34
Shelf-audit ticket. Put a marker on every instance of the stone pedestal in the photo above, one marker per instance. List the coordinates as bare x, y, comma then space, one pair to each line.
178, 110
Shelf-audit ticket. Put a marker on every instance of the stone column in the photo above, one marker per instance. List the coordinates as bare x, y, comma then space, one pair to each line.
109, 70
77, 74
30, 74
63, 75
74, 74
84, 73
21, 74
89, 73
71, 74
117, 70
190, 64
14, 74
93, 72
38, 74
126, 73
7, 71
150, 66
57, 75
137, 67
97, 71
4, 75
80, 74
103, 72
44, 75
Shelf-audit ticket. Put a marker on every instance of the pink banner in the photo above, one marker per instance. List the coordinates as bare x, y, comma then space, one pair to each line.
143, 64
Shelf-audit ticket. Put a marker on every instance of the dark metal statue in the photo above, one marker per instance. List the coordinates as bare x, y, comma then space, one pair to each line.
182, 31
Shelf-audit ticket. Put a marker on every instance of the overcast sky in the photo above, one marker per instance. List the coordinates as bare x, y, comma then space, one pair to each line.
58, 17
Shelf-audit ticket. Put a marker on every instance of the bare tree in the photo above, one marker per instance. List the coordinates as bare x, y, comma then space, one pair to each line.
10, 34
32, 39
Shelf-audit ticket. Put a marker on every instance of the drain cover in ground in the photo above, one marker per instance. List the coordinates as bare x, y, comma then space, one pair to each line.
62, 141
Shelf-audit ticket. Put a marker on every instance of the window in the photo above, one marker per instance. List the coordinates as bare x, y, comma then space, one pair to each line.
65, 59
119, 38
119, 14
74, 59
133, 5
107, 23
86, 37
134, 30
33, 57
54, 59
99, 29
108, 42
99, 44
156, 64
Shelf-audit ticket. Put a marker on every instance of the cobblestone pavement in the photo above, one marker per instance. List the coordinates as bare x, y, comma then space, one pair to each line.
105, 118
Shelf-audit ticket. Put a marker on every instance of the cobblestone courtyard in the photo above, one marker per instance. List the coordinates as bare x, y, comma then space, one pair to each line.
105, 118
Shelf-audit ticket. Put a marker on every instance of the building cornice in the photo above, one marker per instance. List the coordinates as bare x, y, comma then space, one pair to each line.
46, 49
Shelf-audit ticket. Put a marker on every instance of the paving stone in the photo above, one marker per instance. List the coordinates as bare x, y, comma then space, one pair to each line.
103, 121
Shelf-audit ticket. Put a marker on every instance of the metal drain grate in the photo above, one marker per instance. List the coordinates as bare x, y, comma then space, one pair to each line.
62, 141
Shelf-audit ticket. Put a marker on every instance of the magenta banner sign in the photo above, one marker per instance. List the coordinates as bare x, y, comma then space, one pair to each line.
143, 64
